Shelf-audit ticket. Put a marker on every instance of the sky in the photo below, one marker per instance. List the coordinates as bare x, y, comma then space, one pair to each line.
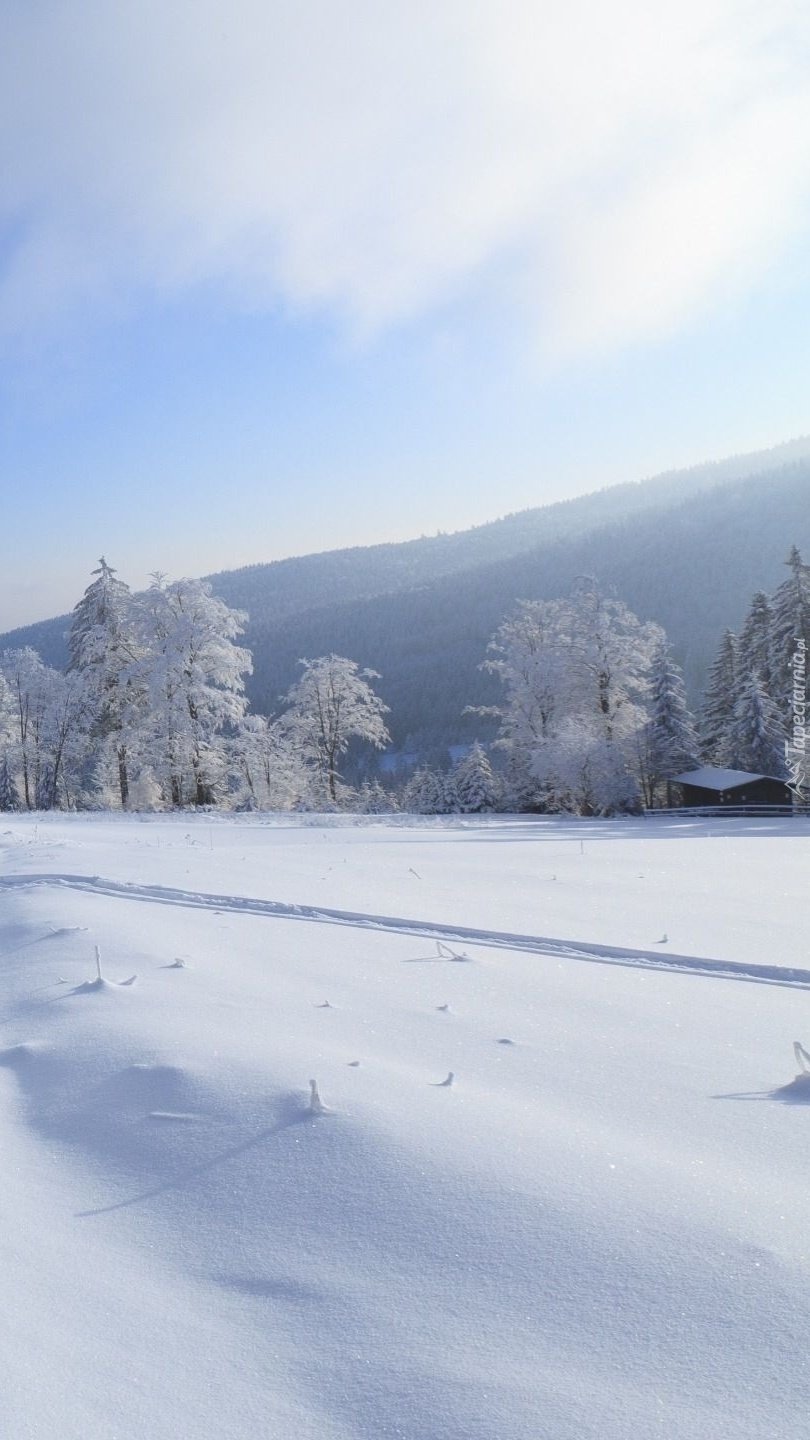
278, 276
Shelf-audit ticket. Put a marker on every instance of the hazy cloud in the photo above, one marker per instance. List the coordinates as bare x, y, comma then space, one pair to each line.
608, 172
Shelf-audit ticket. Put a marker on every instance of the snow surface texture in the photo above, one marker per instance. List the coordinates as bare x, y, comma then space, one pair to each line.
235, 1204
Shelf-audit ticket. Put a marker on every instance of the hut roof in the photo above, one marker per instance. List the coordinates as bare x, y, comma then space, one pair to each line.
712, 777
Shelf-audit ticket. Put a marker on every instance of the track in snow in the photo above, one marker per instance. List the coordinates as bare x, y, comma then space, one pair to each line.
494, 939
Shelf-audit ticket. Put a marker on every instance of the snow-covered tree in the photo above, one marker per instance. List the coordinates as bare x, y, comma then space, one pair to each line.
669, 740
328, 707
426, 793
790, 627
192, 673
720, 698
613, 653
472, 785
586, 771
23, 671
43, 715
372, 799
755, 645
9, 794
269, 773
528, 655
103, 653
65, 724
575, 671
757, 735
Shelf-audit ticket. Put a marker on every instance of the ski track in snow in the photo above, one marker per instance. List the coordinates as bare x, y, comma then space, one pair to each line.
493, 939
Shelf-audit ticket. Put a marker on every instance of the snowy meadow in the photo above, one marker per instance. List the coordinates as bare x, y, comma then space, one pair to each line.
446, 1129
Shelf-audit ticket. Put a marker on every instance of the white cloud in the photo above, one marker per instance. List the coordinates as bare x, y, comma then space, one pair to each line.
619, 168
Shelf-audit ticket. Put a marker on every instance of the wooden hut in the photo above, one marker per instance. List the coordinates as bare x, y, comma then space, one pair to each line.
713, 787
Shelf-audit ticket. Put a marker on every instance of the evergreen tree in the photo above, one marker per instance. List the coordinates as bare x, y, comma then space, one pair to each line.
372, 799
757, 735
103, 652
672, 742
9, 794
426, 793
755, 645
790, 625
717, 714
472, 782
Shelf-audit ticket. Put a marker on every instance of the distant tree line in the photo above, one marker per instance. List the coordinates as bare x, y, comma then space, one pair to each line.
151, 711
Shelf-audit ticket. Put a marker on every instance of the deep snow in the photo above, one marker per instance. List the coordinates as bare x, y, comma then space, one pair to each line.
597, 1230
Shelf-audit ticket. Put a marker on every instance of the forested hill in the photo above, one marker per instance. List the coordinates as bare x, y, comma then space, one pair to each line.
691, 566
273, 591
686, 549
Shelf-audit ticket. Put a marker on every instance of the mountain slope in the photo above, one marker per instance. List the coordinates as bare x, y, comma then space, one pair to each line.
685, 549
692, 567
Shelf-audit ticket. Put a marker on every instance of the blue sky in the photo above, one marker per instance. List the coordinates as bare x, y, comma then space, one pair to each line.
282, 277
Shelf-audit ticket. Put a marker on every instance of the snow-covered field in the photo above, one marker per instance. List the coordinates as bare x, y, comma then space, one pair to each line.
598, 1231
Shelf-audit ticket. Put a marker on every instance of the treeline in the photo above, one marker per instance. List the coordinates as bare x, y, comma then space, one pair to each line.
685, 551
591, 714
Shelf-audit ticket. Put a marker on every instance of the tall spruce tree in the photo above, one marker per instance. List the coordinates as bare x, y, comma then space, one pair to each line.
757, 735
754, 649
790, 628
672, 741
717, 714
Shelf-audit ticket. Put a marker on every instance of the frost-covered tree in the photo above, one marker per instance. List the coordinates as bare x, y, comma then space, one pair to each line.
65, 723
472, 785
372, 799
269, 773
757, 735
9, 794
584, 770
669, 739
43, 714
720, 698
790, 627
25, 685
192, 674
103, 653
758, 686
331, 705
613, 653
575, 672
755, 645
529, 656
426, 793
